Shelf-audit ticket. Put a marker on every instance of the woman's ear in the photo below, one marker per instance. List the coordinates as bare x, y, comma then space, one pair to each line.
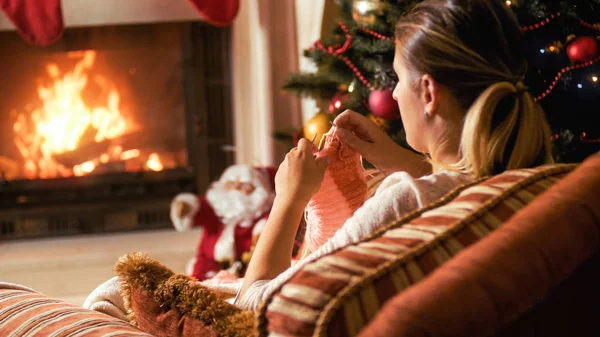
430, 94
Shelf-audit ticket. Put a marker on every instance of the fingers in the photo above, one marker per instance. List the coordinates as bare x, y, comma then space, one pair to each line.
356, 123
306, 146
354, 142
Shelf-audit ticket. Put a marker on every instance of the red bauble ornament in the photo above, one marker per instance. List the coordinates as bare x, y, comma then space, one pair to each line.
383, 105
582, 49
218, 13
337, 102
296, 137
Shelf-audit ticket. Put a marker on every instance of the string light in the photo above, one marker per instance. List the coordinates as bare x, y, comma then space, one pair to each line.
352, 86
508, 2
555, 47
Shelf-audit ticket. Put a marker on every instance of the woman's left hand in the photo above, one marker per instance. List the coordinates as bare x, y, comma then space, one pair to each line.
300, 175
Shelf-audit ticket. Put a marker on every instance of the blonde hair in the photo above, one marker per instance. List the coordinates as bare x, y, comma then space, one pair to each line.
475, 49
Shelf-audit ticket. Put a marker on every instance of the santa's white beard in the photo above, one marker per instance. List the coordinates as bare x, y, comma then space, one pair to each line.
233, 207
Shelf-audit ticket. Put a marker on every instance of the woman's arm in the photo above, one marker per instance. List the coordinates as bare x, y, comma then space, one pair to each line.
298, 178
273, 252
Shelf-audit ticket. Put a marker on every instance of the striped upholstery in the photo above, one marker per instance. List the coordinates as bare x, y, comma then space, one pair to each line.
340, 293
27, 313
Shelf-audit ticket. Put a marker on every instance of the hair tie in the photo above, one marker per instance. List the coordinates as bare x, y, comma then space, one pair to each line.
521, 87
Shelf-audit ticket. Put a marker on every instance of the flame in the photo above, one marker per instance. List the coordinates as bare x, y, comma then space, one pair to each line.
63, 118
83, 169
130, 154
154, 163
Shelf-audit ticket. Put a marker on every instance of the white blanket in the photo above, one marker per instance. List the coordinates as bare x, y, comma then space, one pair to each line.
106, 298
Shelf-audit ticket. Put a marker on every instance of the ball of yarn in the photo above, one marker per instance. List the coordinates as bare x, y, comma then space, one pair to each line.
343, 191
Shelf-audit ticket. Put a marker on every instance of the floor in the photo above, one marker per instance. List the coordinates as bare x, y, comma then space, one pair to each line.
70, 268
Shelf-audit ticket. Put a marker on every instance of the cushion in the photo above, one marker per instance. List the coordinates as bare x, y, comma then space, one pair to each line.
510, 272
24, 312
163, 303
340, 293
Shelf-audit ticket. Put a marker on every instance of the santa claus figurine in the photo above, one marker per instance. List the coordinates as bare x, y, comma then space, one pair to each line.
232, 214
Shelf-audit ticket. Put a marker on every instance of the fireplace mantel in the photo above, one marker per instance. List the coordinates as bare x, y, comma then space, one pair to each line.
82, 13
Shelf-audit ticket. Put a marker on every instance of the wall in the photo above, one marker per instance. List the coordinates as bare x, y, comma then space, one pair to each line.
110, 12
264, 54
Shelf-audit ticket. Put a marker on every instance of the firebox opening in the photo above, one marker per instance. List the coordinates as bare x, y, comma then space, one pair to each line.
100, 130
114, 106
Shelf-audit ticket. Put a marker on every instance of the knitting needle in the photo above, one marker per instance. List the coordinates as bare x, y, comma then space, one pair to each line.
313, 141
322, 143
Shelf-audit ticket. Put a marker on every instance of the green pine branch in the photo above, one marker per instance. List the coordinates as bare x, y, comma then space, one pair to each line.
317, 85
369, 45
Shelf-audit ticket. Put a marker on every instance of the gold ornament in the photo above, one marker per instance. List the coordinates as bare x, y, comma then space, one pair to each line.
317, 125
246, 256
382, 123
365, 12
343, 87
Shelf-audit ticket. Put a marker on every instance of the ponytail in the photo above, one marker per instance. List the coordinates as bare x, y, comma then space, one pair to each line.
491, 143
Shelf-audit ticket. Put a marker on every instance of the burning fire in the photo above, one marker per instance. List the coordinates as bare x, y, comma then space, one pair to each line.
63, 119
154, 163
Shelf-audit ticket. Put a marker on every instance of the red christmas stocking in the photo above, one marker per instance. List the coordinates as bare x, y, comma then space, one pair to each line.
37, 21
217, 12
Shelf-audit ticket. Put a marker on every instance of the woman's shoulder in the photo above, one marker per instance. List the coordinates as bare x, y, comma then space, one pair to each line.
439, 179
426, 188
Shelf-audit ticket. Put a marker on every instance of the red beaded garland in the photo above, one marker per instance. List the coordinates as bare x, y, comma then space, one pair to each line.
561, 72
374, 33
589, 25
540, 24
584, 139
337, 52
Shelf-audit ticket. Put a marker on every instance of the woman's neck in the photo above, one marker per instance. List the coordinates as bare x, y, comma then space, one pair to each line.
445, 157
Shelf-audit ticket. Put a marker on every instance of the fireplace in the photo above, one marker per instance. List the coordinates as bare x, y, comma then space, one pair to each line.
101, 129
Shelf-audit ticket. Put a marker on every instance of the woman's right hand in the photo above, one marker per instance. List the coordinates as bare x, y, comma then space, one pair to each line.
364, 136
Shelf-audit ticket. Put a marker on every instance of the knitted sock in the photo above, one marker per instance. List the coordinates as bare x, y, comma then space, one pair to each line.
343, 191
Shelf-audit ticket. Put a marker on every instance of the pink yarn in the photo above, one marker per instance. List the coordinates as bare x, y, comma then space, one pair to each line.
343, 191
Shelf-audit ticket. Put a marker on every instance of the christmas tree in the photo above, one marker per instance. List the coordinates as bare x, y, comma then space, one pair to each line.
355, 68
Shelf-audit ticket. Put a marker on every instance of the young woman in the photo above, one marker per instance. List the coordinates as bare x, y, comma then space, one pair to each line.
460, 66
